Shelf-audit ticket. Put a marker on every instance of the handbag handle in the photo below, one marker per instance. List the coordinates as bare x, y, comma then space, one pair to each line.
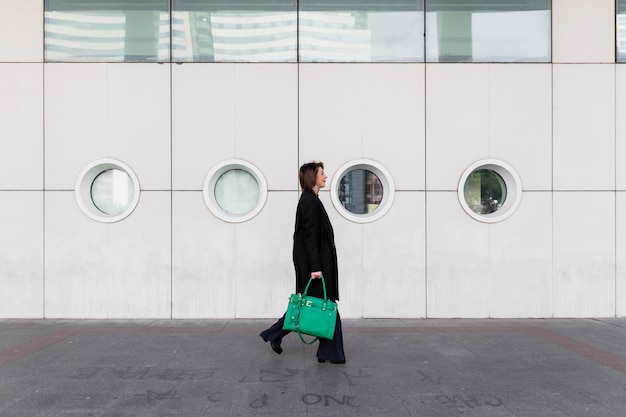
323, 286
304, 341
325, 299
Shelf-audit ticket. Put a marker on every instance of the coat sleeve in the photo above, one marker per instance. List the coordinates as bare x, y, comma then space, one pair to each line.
311, 228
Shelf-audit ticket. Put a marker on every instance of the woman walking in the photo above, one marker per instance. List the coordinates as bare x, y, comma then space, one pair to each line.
314, 256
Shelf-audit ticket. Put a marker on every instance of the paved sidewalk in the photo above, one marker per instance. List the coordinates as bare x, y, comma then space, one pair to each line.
214, 368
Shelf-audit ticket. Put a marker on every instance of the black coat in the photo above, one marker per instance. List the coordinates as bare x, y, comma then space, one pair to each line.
314, 248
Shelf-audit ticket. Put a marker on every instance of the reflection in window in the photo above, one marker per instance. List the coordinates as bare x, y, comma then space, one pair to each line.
235, 30
620, 29
303, 30
488, 31
365, 30
237, 192
114, 31
112, 192
484, 191
360, 191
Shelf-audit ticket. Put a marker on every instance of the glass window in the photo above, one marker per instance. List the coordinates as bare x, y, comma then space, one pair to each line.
107, 190
360, 191
112, 191
237, 192
488, 31
234, 30
111, 31
490, 190
485, 191
361, 31
620, 30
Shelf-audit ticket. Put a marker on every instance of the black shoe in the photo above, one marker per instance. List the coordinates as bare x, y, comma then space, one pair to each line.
276, 347
333, 362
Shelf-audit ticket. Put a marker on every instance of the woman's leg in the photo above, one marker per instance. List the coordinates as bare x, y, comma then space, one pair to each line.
275, 335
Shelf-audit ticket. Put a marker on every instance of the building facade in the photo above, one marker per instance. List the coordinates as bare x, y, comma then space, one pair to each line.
470, 175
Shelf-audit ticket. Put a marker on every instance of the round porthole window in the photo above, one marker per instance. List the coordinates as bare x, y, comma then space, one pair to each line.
107, 190
362, 191
490, 190
235, 191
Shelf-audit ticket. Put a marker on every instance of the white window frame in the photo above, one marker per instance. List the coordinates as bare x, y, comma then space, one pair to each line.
84, 181
513, 190
388, 190
208, 190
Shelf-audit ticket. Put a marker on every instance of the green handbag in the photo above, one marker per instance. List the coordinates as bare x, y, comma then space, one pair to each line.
311, 315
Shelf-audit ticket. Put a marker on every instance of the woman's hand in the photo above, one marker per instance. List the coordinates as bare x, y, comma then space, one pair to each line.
316, 274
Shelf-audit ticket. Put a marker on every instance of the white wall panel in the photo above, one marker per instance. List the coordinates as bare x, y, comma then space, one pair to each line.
21, 118
520, 260
584, 254
224, 111
457, 121
583, 31
476, 269
75, 120
21, 30
457, 248
21, 254
119, 111
584, 127
203, 260
138, 113
224, 270
520, 121
116, 270
478, 111
367, 111
620, 127
331, 115
203, 111
393, 118
394, 260
263, 266
620, 254
266, 121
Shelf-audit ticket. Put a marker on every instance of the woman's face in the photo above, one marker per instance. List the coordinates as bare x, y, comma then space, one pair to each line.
320, 181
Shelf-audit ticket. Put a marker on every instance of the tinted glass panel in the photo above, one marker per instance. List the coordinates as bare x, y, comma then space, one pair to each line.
320, 31
111, 31
237, 192
360, 191
238, 30
112, 192
620, 30
488, 31
361, 31
484, 191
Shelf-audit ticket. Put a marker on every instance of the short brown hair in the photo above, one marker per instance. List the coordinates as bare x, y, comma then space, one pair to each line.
308, 175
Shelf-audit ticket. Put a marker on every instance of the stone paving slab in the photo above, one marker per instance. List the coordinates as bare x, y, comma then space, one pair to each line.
214, 368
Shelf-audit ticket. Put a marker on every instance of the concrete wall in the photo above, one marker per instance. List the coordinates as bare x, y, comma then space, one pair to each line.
561, 254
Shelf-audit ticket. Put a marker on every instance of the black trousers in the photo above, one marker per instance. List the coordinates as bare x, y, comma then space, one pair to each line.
328, 349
